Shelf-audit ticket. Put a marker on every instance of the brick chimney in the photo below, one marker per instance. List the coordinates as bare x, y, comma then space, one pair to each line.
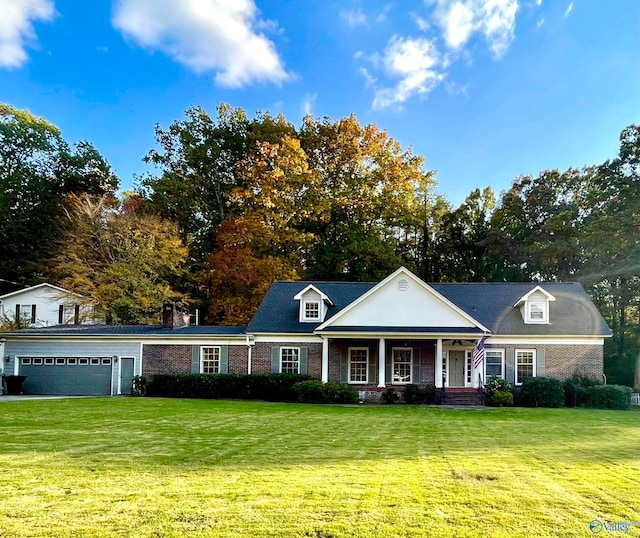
173, 317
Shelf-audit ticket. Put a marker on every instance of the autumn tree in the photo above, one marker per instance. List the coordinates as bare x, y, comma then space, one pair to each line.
123, 261
37, 170
237, 275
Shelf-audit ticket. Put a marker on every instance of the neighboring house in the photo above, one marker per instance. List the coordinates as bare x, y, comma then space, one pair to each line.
45, 305
369, 335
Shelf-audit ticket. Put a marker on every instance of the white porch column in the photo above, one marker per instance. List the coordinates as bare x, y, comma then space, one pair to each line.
325, 360
438, 373
381, 364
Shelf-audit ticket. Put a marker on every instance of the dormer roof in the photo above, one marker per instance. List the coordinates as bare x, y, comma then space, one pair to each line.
526, 296
298, 296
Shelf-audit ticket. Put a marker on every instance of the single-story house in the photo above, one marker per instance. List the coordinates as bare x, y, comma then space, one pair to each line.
369, 335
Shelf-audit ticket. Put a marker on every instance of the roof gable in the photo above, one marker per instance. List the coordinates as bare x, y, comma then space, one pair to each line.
38, 287
402, 300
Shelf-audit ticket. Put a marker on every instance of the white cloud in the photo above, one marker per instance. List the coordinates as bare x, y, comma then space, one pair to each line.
415, 63
16, 28
382, 16
354, 17
421, 22
307, 105
540, 23
459, 20
569, 9
538, 2
368, 79
205, 35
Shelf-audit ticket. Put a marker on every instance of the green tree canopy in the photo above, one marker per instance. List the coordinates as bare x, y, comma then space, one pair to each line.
37, 170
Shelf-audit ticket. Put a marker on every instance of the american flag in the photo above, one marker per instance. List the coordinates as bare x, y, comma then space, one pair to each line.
478, 353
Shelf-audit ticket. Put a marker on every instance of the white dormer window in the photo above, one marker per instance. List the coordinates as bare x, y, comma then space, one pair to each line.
537, 312
534, 306
313, 304
311, 311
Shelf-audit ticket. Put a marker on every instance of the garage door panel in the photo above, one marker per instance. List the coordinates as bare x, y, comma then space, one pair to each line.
67, 379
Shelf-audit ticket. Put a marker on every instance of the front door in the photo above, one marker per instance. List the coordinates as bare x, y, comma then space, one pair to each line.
126, 375
456, 368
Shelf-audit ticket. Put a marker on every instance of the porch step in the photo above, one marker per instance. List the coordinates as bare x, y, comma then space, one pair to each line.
462, 397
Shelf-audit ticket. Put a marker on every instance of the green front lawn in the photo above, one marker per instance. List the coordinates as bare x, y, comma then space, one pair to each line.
161, 467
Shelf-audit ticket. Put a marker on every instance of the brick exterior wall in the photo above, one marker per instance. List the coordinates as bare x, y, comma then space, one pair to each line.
238, 356
261, 357
563, 362
166, 359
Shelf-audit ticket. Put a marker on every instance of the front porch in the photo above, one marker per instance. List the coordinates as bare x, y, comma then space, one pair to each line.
369, 363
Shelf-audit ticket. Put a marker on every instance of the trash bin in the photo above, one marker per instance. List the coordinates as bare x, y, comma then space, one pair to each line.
14, 384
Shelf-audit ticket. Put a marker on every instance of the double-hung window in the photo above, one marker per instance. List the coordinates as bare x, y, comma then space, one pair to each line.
210, 360
537, 312
525, 365
290, 360
493, 363
401, 367
358, 364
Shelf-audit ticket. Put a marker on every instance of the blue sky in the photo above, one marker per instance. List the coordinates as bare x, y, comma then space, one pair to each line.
485, 90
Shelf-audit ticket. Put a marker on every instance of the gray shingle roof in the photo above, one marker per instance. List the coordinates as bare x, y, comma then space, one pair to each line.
491, 304
130, 330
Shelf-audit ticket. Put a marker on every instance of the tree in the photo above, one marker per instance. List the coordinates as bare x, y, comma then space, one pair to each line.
610, 202
37, 170
240, 271
123, 261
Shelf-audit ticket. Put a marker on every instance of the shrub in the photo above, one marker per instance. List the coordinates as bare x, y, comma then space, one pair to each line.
271, 387
389, 396
311, 391
502, 398
415, 395
576, 390
337, 393
609, 397
542, 392
493, 386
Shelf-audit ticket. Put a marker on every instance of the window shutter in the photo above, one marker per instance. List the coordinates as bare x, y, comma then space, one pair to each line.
275, 360
304, 354
344, 368
195, 359
511, 366
33, 313
373, 370
415, 374
76, 314
18, 315
61, 314
387, 370
540, 366
224, 359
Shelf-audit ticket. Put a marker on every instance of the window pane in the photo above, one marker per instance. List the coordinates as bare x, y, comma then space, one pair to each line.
536, 311
312, 310
210, 360
358, 359
493, 363
290, 360
524, 365
402, 365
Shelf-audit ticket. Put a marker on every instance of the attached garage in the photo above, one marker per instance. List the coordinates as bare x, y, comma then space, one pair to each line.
58, 365
86, 376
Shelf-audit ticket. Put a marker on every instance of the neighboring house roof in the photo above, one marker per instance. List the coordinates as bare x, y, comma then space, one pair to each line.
491, 304
7, 286
33, 288
129, 330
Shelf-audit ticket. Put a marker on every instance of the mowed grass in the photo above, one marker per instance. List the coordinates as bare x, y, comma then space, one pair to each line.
161, 467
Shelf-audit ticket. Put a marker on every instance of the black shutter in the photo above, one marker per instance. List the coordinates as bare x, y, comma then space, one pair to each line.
61, 314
